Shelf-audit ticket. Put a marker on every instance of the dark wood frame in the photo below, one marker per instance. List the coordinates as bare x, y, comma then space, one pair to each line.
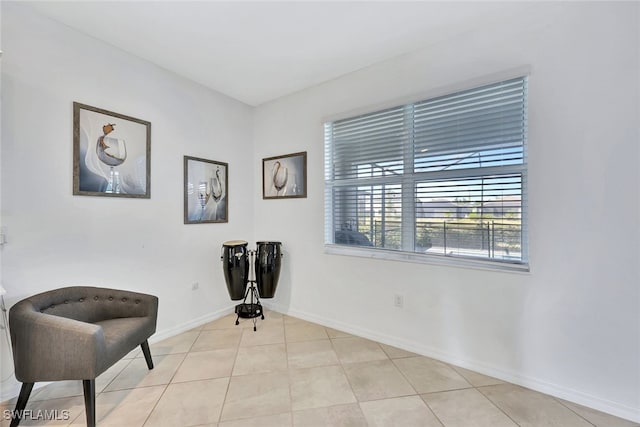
76, 152
303, 191
186, 183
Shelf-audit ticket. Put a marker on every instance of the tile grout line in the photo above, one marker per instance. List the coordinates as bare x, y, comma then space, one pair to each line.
166, 386
414, 389
114, 377
495, 404
105, 388
558, 400
235, 359
432, 411
341, 364
286, 354
408, 381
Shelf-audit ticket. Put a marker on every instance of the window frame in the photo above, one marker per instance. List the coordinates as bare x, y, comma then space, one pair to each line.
408, 183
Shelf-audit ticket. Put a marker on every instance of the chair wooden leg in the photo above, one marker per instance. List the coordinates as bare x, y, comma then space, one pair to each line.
147, 354
89, 387
25, 392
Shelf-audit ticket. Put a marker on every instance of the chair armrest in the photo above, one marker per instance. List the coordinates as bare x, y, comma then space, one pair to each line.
49, 348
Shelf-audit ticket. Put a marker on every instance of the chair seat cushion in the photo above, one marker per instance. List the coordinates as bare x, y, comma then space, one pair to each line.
121, 335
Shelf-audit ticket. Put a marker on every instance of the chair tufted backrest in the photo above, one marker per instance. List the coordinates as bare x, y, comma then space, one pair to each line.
89, 304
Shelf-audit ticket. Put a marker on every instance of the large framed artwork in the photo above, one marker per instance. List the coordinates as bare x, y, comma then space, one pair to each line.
285, 176
111, 154
206, 191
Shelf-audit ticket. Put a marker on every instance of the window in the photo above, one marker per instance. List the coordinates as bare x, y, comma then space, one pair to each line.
443, 177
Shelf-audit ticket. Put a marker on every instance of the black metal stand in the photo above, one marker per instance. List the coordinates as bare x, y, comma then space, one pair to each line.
252, 309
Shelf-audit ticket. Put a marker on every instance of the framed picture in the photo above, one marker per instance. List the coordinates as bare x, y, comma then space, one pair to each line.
111, 154
206, 191
285, 176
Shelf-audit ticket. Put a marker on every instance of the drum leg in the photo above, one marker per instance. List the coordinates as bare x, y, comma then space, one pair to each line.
239, 306
254, 293
261, 309
250, 309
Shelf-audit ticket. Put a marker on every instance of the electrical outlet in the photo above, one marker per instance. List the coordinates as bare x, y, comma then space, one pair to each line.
194, 286
398, 300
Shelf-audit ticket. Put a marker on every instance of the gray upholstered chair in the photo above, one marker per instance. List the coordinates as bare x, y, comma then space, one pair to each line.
77, 333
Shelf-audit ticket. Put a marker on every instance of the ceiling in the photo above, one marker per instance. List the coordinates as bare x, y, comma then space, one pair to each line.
256, 52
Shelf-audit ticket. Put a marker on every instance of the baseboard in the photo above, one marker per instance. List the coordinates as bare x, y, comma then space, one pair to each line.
183, 327
9, 388
594, 402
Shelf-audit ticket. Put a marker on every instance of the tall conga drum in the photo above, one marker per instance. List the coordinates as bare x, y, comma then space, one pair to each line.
268, 260
235, 264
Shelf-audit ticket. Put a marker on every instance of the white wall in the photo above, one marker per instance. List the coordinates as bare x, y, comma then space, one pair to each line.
570, 327
56, 239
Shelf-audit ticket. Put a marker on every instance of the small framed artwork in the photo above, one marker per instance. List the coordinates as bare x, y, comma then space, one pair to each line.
206, 191
111, 154
285, 176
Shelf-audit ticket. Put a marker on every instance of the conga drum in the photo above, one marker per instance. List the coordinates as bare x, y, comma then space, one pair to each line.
235, 264
268, 260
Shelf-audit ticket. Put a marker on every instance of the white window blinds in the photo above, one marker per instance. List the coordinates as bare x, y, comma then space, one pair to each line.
444, 176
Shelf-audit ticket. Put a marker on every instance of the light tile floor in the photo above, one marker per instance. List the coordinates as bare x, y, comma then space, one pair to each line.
295, 373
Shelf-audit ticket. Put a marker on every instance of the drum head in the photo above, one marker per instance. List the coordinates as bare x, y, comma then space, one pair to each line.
235, 243
268, 243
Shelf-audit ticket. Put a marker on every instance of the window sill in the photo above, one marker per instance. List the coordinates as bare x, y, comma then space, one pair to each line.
443, 260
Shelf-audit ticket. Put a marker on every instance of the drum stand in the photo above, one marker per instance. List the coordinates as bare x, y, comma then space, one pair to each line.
253, 309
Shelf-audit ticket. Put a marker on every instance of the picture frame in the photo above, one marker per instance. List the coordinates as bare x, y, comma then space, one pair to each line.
206, 191
111, 154
285, 177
